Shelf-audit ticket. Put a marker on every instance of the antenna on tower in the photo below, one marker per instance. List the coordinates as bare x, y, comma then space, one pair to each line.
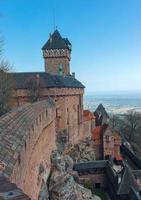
54, 17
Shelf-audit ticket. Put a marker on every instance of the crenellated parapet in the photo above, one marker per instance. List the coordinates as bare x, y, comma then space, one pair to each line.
57, 53
27, 137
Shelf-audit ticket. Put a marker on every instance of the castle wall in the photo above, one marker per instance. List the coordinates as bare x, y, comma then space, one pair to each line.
139, 182
108, 145
94, 179
88, 127
69, 108
98, 149
27, 139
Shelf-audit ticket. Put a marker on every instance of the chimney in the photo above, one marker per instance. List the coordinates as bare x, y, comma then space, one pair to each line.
73, 74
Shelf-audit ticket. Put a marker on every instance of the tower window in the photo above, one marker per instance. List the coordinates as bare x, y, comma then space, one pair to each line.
58, 113
60, 70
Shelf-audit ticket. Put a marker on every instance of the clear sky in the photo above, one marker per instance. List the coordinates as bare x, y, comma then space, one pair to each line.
105, 37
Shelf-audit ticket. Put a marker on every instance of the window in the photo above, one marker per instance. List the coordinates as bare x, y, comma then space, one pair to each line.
78, 113
67, 116
58, 113
108, 138
60, 70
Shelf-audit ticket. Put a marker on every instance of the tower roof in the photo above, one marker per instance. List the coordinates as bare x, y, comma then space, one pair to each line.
101, 109
128, 181
57, 42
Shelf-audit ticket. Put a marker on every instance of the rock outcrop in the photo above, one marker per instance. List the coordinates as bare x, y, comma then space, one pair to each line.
62, 183
44, 194
81, 152
62, 140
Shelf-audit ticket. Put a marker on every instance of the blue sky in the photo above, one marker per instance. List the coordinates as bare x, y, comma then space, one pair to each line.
105, 37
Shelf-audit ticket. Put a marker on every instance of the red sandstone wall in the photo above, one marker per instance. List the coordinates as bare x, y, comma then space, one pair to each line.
28, 142
52, 65
95, 178
139, 182
88, 127
108, 145
69, 105
98, 149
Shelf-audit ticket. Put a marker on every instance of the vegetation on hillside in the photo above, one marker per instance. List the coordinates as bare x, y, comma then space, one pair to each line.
34, 88
6, 84
129, 125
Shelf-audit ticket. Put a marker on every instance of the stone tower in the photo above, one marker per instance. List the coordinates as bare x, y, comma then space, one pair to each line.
56, 53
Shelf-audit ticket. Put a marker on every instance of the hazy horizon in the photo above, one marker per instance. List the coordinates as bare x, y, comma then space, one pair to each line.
113, 92
115, 103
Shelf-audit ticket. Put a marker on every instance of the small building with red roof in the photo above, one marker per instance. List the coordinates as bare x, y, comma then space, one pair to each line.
107, 142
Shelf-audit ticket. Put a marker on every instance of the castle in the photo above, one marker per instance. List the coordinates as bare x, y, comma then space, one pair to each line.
29, 133
56, 82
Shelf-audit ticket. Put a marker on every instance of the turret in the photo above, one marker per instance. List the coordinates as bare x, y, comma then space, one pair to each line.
57, 54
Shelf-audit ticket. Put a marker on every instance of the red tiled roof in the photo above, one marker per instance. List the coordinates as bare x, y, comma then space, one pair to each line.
119, 157
88, 115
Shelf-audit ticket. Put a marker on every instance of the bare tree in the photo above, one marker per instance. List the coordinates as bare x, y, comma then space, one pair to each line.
6, 83
6, 87
132, 125
33, 85
1, 44
115, 122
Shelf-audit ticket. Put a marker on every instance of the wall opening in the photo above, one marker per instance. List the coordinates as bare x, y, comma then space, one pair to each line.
97, 185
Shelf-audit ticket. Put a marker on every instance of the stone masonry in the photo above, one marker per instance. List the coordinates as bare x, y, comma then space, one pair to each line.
27, 138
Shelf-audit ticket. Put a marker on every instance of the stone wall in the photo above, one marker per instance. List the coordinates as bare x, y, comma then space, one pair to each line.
27, 138
98, 149
88, 127
95, 179
52, 65
69, 108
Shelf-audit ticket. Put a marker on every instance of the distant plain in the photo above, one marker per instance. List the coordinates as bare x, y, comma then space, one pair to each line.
114, 103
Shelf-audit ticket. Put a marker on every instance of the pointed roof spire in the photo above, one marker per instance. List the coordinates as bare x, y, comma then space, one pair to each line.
57, 42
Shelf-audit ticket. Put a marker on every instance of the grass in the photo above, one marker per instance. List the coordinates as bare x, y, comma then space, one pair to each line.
100, 193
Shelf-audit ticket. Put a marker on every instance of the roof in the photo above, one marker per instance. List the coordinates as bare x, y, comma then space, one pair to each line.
10, 191
88, 115
137, 173
46, 80
128, 180
91, 165
57, 42
119, 158
100, 109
